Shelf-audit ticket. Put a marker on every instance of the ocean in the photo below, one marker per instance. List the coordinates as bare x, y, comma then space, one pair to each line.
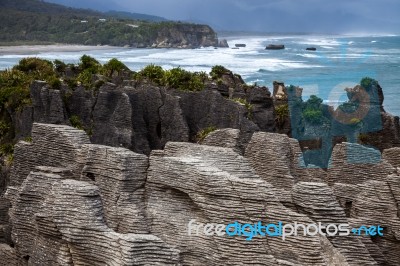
338, 62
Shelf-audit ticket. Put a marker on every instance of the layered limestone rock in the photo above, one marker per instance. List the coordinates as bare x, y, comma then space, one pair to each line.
278, 160
352, 163
120, 175
71, 202
392, 155
216, 185
143, 117
52, 145
65, 225
87, 211
368, 188
228, 138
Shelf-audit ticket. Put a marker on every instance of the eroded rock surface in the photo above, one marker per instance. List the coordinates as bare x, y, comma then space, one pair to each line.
71, 202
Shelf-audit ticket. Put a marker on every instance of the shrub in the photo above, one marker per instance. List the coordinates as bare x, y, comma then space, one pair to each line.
181, 79
55, 83
60, 66
314, 116
368, 82
39, 67
14, 89
202, 75
202, 134
282, 112
6, 149
217, 71
314, 102
4, 128
14, 83
76, 122
71, 82
153, 73
89, 64
86, 78
114, 65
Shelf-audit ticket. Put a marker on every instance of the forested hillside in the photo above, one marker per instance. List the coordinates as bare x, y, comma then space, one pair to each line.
34, 21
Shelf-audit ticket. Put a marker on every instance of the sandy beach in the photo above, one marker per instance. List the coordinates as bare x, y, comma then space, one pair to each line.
37, 49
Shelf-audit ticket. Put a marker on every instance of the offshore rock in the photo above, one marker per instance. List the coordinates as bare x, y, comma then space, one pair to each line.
223, 43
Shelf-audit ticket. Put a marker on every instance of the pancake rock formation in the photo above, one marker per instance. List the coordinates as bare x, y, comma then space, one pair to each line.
71, 202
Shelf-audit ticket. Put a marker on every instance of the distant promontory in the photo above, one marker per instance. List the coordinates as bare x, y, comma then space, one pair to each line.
35, 22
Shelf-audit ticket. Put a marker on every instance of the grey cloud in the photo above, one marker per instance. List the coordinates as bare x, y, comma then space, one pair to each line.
269, 15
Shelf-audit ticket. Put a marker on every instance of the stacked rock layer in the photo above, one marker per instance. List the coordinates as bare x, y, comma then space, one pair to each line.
71, 202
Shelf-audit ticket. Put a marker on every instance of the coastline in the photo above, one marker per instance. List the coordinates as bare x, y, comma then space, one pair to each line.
36, 49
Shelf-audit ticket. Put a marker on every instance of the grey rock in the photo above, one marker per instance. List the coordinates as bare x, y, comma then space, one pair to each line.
223, 43
276, 162
207, 183
352, 163
48, 104
227, 137
8, 256
77, 203
392, 155
59, 220
120, 175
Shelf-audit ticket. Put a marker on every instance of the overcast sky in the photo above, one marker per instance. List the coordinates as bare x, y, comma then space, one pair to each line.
323, 16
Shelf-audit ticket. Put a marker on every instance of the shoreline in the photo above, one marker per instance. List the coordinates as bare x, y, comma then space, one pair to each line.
42, 48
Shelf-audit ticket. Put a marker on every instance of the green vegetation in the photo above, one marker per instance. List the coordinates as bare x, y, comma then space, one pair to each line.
113, 66
202, 134
15, 82
181, 79
38, 22
313, 116
28, 139
246, 104
217, 71
282, 113
153, 73
355, 121
176, 78
312, 110
76, 122
15, 87
367, 83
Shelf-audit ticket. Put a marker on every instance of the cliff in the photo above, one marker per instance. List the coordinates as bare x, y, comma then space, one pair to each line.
59, 24
89, 196
111, 170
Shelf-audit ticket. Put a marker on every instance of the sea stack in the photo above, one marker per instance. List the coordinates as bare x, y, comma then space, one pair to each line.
223, 43
275, 47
